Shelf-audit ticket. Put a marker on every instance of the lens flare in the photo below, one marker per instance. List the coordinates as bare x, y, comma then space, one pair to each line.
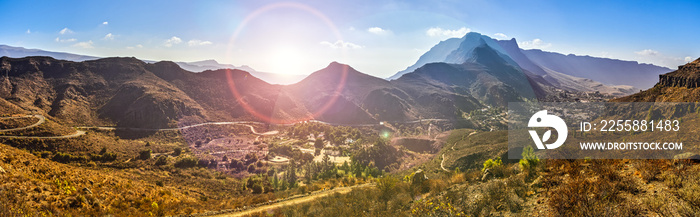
231, 47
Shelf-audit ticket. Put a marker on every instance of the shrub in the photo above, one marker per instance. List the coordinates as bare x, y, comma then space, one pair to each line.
177, 151
490, 163
529, 162
145, 154
186, 162
161, 160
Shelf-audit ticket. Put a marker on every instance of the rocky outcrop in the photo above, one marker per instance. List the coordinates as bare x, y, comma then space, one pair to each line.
686, 76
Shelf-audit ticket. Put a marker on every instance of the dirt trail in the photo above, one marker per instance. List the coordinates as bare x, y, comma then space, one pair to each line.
303, 199
40, 117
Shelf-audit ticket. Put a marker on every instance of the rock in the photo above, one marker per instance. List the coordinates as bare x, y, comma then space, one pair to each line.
537, 182
418, 177
686, 156
487, 175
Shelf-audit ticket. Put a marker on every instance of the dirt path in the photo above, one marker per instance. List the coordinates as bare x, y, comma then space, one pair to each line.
245, 123
299, 200
41, 118
442, 163
76, 134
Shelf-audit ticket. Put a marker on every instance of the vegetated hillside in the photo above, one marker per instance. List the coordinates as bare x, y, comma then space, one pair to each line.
358, 96
110, 90
677, 86
214, 91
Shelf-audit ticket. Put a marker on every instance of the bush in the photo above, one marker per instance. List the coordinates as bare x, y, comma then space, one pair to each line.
529, 162
177, 151
491, 164
145, 154
161, 160
186, 162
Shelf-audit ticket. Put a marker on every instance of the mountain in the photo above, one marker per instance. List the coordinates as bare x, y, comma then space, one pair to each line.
604, 70
197, 66
18, 52
559, 79
453, 50
547, 69
273, 78
118, 91
677, 86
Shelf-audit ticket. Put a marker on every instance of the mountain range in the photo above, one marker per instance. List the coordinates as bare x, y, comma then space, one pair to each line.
568, 72
197, 66
455, 77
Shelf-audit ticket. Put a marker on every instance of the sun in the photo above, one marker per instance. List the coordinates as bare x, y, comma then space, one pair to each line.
286, 60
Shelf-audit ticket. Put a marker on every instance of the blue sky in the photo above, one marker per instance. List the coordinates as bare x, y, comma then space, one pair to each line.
375, 37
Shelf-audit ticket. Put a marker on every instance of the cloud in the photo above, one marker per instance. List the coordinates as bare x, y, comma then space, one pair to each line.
661, 59
534, 44
29, 31
137, 46
105, 23
195, 42
85, 44
340, 44
377, 31
58, 39
647, 52
174, 40
439, 32
109, 36
65, 31
500, 36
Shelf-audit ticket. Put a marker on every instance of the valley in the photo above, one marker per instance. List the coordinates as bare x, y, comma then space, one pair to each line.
121, 136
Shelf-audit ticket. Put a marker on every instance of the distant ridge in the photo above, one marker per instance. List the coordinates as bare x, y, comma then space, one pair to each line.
197, 66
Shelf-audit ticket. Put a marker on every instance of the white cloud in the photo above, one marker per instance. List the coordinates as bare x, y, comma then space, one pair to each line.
500, 36
688, 59
378, 31
647, 52
58, 39
195, 42
439, 32
137, 46
29, 31
109, 36
534, 44
341, 45
105, 23
174, 40
85, 44
65, 31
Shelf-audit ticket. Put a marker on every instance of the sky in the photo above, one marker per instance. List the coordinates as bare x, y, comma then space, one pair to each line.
377, 37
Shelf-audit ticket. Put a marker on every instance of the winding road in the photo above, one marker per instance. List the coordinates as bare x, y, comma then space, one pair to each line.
41, 118
79, 132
